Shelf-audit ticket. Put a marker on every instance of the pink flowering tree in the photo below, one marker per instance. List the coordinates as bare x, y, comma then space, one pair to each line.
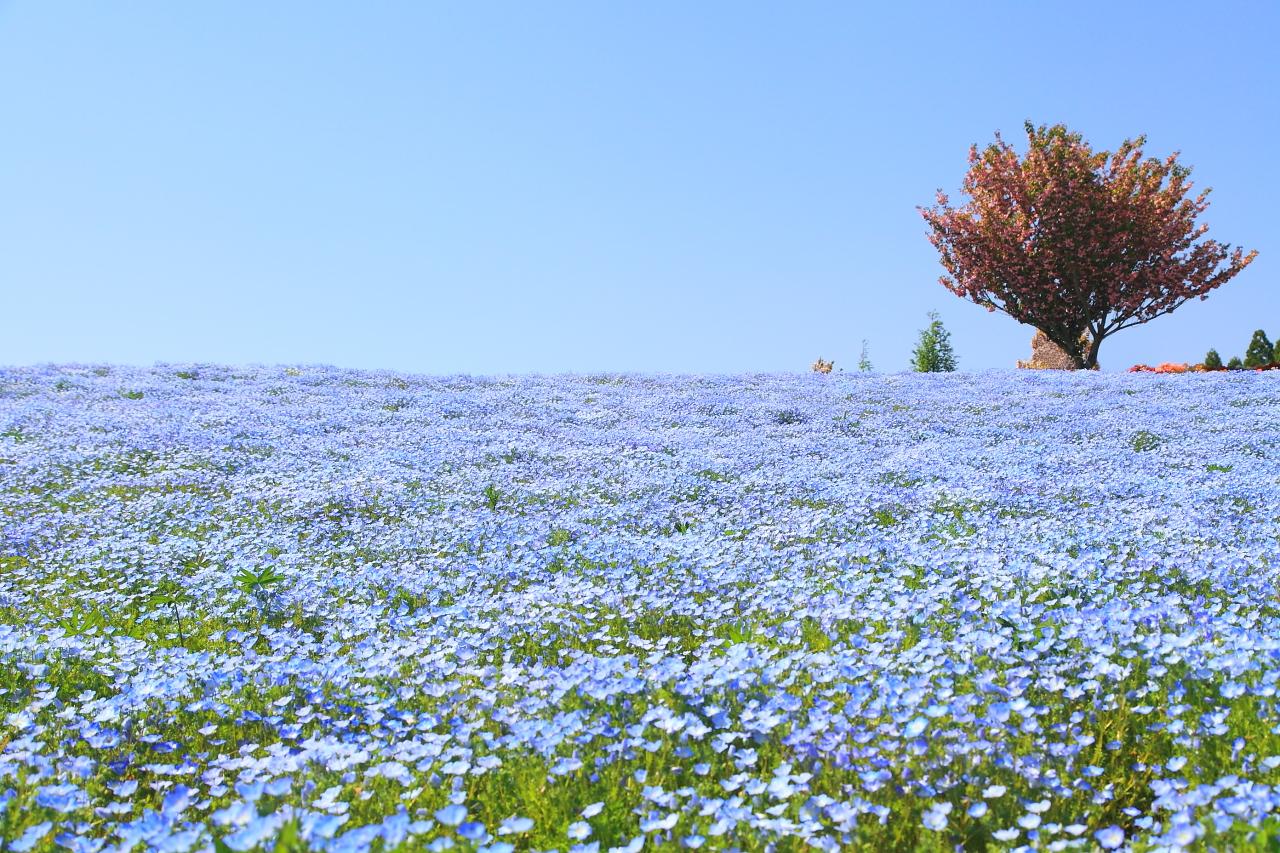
1077, 242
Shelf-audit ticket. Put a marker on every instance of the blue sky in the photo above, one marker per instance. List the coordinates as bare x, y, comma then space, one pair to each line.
518, 187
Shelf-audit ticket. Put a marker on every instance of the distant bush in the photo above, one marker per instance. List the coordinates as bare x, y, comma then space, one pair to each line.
1212, 360
821, 366
1235, 363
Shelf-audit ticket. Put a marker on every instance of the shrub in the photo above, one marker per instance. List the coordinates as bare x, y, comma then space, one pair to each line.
933, 353
1212, 360
1235, 363
821, 366
1260, 351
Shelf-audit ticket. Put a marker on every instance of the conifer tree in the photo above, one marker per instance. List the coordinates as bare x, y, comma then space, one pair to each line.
933, 353
1260, 351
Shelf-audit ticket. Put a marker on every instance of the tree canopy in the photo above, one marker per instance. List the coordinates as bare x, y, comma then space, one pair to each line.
1071, 241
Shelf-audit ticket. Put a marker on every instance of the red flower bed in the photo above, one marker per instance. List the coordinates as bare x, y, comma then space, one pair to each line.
1170, 367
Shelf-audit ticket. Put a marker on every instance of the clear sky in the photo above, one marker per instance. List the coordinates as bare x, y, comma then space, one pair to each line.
545, 187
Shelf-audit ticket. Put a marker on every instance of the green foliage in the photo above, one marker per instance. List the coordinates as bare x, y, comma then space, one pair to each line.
1212, 360
492, 496
1260, 351
678, 524
1235, 363
1143, 440
864, 361
169, 593
933, 352
259, 584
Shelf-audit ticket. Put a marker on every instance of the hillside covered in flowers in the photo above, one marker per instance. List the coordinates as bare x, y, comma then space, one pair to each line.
311, 608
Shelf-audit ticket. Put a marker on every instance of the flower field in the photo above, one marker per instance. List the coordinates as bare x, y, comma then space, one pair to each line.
289, 609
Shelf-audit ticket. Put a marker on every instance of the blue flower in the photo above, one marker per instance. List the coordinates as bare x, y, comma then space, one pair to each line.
515, 825
1110, 838
62, 798
935, 817
30, 837
452, 815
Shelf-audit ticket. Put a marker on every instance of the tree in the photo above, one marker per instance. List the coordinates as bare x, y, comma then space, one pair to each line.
864, 361
1235, 363
933, 353
1212, 360
1070, 240
1260, 351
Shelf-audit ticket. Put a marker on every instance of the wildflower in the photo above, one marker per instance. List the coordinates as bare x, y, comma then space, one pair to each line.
1110, 838
451, 815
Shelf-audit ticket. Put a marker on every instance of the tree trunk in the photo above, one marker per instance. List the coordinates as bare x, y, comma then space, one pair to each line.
1091, 357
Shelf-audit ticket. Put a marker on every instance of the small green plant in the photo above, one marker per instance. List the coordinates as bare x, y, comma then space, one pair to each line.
186, 374
1143, 440
933, 353
1212, 360
864, 361
492, 496
786, 417
885, 517
170, 594
559, 536
131, 395
1260, 351
259, 584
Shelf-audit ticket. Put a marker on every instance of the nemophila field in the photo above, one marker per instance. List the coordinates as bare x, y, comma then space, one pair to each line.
283, 609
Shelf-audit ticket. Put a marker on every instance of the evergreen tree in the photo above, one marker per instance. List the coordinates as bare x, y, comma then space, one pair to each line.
1212, 360
1235, 363
1260, 351
864, 362
933, 353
